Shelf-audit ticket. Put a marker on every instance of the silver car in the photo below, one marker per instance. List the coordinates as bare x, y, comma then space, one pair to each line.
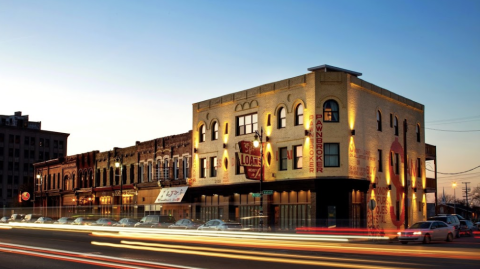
220, 225
427, 231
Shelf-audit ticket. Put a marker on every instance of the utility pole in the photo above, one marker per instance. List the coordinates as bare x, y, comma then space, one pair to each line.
466, 189
405, 164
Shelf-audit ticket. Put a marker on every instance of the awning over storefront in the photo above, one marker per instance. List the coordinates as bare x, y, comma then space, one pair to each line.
171, 195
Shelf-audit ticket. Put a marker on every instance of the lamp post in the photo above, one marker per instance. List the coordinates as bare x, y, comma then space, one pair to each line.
118, 164
256, 143
454, 186
39, 177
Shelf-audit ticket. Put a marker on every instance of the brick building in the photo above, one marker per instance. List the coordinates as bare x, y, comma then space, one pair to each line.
22, 143
333, 143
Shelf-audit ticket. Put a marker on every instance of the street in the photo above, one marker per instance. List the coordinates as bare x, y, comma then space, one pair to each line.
131, 248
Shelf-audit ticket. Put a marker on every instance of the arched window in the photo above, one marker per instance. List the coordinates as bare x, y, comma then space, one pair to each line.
299, 115
159, 169
379, 121
395, 125
282, 118
330, 111
74, 184
215, 131
202, 133
104, 177
418, 132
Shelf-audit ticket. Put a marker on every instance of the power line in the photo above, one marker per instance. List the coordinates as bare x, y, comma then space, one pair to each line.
457, 173
457, 131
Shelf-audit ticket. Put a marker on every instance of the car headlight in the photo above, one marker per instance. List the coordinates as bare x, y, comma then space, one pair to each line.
417, 233
399, 233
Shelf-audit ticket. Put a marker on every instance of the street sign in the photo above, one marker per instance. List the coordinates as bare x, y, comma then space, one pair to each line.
256, 194
268, 192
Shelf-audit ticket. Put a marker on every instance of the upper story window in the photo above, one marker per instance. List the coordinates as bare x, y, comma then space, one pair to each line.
202, 133
330, 111
247, 124
332, 154
203, 168
213, 166
215, 131
418, 132
419, 167
395, 125
282, 118
397, 163
283, 158
380, 162
379, 121
298, 157
299, 115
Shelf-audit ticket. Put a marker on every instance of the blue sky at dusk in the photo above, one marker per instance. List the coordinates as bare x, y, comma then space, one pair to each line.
114, 72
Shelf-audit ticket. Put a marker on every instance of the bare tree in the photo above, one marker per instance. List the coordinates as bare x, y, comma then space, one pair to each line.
474, 196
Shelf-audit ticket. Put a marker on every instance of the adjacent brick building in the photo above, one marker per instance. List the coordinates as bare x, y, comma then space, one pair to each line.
22, 143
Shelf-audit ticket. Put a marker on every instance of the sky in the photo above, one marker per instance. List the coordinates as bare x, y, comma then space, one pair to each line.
113, 72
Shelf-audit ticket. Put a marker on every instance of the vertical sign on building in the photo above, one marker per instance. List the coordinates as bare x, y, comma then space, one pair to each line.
319, 142
249, 158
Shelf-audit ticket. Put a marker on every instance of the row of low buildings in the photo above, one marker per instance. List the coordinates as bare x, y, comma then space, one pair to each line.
338, 151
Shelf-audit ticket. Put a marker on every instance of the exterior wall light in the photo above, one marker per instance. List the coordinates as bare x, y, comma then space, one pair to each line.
390, 187
353, 132
307, 132
195, 150
224, 145
374, 185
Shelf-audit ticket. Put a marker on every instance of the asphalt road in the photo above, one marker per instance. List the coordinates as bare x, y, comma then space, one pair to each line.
55, 248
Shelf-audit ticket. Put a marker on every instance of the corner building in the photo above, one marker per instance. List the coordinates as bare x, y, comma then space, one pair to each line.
332, 144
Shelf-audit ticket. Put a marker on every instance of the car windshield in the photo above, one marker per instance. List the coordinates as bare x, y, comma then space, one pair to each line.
233, 225
444, 219
420, 225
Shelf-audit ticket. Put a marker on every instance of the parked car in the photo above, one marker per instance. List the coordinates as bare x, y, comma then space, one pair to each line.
16, 218
44, 220
31, 218
426, 231
220, 225
103, 222
185, 224
4, 220
477, 224
456, 215
126, 222
466, 227
450, 220
64, 220
156, 221
82, 221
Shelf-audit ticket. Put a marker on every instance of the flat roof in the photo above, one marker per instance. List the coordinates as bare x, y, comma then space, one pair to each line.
327, 68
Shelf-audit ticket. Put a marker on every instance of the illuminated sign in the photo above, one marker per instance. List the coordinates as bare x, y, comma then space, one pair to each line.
171, 195
25, 196
249, 158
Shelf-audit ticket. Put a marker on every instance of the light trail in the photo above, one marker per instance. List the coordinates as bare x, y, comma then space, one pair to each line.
91, 259
248, 252
243, 257
302, 246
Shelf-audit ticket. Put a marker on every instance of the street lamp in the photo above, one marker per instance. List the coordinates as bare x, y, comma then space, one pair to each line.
256, 143
39, 177
118, 164
454, 186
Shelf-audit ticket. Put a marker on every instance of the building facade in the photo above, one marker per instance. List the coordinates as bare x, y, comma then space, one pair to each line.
22, 143
116, 183
336, 154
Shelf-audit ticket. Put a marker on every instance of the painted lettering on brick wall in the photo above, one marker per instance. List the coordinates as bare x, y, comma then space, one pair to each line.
311, 150
319, 142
